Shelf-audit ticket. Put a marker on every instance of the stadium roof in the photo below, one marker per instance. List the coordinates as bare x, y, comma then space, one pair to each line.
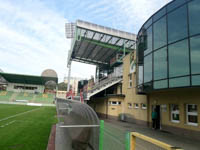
95, 44
27, 79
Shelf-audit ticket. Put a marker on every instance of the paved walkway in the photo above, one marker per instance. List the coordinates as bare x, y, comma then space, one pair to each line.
122, 127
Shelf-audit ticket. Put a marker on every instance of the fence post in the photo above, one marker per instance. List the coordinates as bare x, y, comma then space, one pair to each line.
101, 136
127, 141
133, 142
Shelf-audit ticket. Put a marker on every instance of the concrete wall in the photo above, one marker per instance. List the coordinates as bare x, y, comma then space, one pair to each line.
10, 87
137, 115
181, 97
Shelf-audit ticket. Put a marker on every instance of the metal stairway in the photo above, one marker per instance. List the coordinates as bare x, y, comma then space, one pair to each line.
102, 85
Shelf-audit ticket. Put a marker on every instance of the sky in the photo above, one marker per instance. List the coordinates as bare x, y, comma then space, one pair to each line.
32, 32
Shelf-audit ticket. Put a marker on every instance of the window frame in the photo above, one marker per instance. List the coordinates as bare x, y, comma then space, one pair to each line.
117, 103
130, 80
130, 106
191, 114
174, 112
136, 107
143, 106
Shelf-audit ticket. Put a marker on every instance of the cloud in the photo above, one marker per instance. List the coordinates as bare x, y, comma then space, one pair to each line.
32, 33
32, 40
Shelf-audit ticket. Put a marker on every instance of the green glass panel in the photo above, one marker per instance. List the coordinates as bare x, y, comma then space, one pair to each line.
177, 24
179, 82
148, 23
175, 4
160, 33
195, 54
159, 14
194, 11
148, 41
140, 78
160, 84
160, 64
196, 80
148, 68
178, 59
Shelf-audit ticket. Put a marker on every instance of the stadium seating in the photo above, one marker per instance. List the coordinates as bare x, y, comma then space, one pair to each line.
30, 97
24, 96
5, 96
44, 98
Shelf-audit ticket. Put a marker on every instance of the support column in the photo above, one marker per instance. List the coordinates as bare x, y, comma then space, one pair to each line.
69, 76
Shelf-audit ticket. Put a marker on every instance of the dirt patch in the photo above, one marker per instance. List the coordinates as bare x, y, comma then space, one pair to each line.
51, 143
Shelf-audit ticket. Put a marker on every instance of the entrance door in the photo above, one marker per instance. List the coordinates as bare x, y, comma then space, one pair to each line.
158, 119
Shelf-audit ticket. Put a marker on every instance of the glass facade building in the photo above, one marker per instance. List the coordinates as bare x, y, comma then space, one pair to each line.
168, 47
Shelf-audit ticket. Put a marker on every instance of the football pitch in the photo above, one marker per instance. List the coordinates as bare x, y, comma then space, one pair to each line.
25, 127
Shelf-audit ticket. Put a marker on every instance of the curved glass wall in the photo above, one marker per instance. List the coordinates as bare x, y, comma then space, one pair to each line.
168, 47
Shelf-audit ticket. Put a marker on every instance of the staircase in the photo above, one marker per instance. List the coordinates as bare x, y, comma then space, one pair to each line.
102, 85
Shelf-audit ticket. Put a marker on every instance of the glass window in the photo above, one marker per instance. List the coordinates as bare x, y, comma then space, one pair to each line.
196, 80
194, 11
179, 82
195, 54
159, 14
140, 78
130, 80
160, 84
175, 113
177, 24
160, 33
192, 114
148, 68
148, 23
148, 41
148, 86
160, 64
178, 59
144, 106
175, 4
130, 105
136, 105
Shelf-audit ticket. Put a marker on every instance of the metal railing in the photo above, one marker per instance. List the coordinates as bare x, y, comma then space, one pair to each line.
134, 135
103, 83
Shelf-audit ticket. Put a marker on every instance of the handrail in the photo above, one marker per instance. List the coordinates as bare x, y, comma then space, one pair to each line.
102, 83
134, 135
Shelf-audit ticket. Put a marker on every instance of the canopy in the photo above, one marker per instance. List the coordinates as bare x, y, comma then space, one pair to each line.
97, 45
27, 79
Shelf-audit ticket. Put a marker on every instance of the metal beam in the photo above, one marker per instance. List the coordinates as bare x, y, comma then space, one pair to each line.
95, 46
106, 34
107, 45
114, 44
87, 45
102, 47
90, 61
81, 42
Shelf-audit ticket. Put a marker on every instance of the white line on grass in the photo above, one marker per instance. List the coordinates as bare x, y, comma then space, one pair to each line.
7, 124
18, 114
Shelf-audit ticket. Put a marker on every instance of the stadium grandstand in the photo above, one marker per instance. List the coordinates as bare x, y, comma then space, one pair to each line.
28, 88
103, 47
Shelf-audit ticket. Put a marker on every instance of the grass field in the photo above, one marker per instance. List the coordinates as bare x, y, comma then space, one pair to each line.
25, 127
